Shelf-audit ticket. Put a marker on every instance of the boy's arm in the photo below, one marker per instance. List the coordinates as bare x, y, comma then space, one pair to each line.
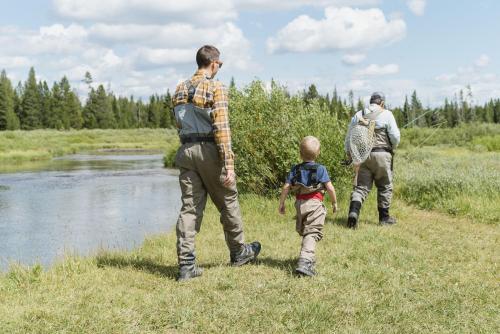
333, 196
284, 194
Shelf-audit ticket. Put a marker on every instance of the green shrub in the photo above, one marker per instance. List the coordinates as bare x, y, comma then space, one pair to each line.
491, 143
267, 126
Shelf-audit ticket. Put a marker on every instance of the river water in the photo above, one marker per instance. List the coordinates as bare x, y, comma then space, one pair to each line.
81, 203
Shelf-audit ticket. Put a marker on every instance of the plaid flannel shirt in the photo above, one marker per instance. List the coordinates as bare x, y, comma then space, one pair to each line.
211, 94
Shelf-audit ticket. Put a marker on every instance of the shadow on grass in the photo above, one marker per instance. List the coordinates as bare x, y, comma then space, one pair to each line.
142, 264
287, 265
339, 220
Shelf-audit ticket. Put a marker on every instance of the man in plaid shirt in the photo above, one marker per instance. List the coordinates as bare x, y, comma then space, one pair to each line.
206, 163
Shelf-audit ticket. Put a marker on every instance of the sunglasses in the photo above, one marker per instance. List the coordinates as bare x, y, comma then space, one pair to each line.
219, 63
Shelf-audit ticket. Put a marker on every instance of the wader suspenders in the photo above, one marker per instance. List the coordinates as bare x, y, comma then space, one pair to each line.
391, 151
314, 173
191, 91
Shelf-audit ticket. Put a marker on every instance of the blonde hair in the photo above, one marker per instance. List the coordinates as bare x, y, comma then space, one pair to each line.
309, 148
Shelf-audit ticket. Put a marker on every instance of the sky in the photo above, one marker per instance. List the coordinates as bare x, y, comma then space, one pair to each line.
141, 47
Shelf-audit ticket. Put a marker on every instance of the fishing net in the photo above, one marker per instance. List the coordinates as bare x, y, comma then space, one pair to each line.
361, 140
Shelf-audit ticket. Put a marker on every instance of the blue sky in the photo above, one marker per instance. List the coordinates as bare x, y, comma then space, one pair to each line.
141, 47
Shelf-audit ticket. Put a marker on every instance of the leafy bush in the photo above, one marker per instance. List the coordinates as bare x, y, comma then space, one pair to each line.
267, 128
490, 143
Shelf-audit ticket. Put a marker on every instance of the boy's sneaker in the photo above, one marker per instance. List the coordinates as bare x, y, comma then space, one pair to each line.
305, 268
248, 254
188, 271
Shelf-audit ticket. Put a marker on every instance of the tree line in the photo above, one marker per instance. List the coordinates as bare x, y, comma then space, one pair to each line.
455, 111
34, 105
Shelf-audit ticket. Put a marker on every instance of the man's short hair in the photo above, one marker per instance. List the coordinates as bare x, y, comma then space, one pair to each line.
206, 55
377, 98
309, 148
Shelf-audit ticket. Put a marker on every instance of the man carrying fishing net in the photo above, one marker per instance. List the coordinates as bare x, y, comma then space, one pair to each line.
370, 142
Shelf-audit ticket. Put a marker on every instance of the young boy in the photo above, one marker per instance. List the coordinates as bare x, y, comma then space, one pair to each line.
308, 181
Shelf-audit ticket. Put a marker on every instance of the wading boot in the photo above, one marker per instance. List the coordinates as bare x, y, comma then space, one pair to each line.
384, 218
305, 268
352, 219
188, 271
248, 254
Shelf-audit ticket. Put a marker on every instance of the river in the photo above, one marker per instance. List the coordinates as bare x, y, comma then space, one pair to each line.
79, 204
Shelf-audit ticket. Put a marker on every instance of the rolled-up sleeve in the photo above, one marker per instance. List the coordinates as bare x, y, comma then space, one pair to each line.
222, 131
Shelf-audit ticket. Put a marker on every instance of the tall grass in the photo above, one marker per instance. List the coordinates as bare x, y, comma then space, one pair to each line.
456, 181
463, 135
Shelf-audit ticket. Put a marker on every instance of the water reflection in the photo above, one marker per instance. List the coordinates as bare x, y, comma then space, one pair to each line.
82, 203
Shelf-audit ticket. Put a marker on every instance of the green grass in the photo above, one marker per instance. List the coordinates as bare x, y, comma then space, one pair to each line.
22, 147
465, 135
430, 273
456, 181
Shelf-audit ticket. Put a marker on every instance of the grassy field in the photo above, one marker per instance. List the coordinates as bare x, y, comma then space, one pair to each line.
436, 271
455, 180
25, 147
429, 274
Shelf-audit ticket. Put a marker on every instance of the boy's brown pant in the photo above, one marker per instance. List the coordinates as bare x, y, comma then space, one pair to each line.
310, 220
201, 173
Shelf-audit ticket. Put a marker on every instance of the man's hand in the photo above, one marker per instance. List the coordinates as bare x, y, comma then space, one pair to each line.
230, 178
335, 208
282, 208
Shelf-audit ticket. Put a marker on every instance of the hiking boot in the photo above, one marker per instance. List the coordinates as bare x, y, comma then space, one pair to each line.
188, 271
384, 218
248, 254
352, 219
305, 268
388, 221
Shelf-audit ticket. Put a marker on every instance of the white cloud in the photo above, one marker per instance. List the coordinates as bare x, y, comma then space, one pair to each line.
15, 62
484, 85
353, 58
342, 28
262, 5
54, 39
482, 61
146, 11
376, 70
417, 6
163, 45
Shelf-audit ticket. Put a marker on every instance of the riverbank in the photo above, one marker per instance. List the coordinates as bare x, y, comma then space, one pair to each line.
430, 273
18, 148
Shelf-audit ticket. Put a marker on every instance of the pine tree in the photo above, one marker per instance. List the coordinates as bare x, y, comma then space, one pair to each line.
8, 118
103, 110
416, 110
30, 104
154, 110
406, 113
72, 108
167, 118
47, 117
